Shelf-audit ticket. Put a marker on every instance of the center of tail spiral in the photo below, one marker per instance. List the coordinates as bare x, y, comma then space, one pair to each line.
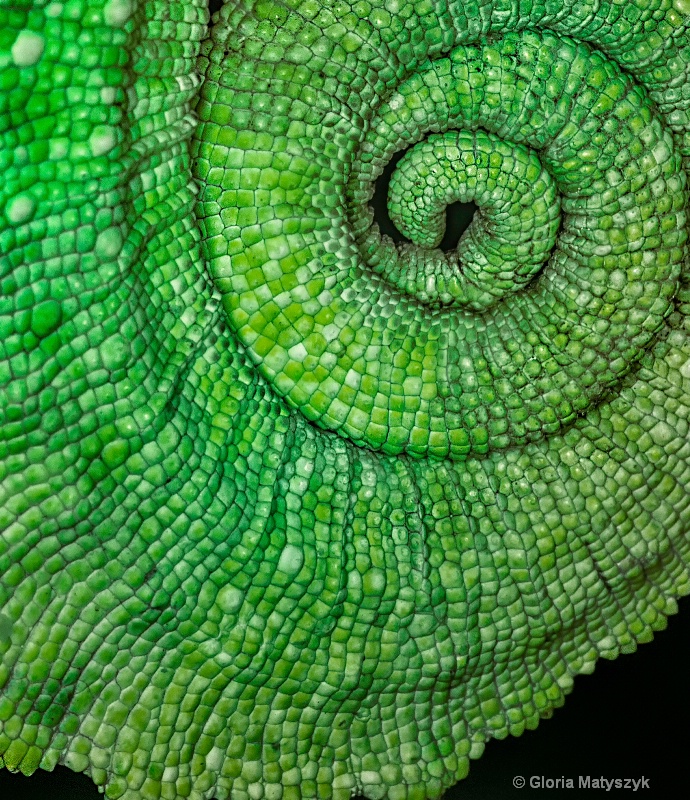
458, 215
505, 244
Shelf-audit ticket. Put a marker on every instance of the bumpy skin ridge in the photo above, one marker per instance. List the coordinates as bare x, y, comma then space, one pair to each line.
212, 581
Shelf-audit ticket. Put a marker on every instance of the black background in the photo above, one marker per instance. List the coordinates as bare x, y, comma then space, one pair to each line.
629, 718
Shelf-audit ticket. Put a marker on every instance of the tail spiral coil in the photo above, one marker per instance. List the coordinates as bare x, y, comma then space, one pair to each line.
553, 293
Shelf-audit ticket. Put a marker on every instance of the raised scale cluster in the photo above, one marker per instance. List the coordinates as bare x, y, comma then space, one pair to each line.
289, 509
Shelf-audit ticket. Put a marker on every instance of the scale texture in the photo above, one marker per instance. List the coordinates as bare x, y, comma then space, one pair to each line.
289, 509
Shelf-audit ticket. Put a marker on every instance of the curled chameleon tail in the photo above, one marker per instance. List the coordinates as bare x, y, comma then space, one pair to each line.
287, 508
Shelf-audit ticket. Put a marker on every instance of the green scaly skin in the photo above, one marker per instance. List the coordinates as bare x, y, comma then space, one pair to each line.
288, 509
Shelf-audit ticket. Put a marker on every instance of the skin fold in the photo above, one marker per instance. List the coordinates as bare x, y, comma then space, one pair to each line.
288, 509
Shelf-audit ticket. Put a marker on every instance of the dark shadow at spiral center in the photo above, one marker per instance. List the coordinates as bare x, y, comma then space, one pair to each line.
458, 219
458, 215
379, 201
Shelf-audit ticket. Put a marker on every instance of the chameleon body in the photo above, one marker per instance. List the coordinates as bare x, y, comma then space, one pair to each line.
289, 509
